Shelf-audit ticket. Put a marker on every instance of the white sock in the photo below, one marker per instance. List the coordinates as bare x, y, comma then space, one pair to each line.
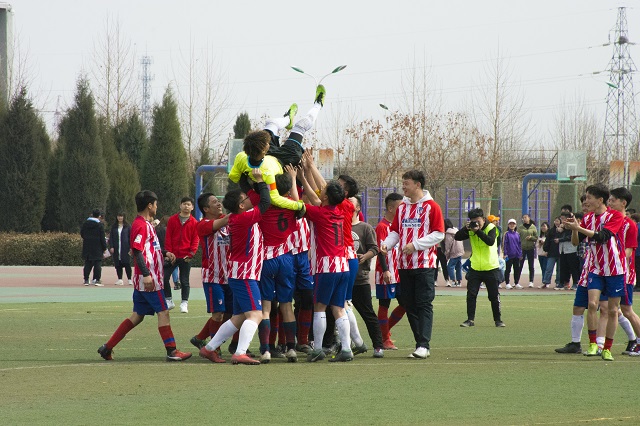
353, 326
275, 124
306, 123
226, 330
247, 331
343, 325
600, 341
626, 326
319, 328
577, 324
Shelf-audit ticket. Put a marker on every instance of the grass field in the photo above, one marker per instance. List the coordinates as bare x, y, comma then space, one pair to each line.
51, 373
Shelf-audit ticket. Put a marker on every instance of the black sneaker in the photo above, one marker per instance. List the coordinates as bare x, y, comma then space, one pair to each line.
177, 286
500, 324
630, 347
570, 348
197, 342
467, 323
105, 352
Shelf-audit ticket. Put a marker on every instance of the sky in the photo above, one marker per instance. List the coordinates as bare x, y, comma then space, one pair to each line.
551, 49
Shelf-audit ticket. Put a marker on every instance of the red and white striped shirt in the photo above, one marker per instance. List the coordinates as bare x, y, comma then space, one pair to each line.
630, 239
145, 239
276, 226
608, 257
300, 238
382, 231
584, 274
328, 239
215, 247
347, 208
245, 242
413, 223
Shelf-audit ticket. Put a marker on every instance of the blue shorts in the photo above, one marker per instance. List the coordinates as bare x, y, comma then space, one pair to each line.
627, 296
386, 291
148, 302
582, 297
331, 288
304, 279
246, 295
354, 264
219, 297
278, 278
612, 286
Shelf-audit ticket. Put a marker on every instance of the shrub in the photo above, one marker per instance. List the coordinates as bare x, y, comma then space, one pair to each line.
43, 249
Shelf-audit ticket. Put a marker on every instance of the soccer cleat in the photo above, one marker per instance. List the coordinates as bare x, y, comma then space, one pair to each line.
170, 304
500, 324
277, 352
630, 347
606, 355
306, 349
360, 349
388, 344
509, 287
119, 282
316, 355
105, 352
243, 359
378, 353
291, 355
321, 92
342, 356
265, 357
635, 351
291, 113
177, 355
467, 323
421, 353
184, 307
212, 356
570, 348
197, 342
592, 350
86, 282
518, 286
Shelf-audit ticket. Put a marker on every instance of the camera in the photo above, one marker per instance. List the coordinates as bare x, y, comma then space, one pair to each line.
474, 225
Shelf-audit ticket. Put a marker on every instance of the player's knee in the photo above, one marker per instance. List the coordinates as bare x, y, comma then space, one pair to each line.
217, 316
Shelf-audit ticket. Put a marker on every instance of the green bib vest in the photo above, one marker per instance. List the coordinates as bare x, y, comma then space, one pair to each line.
484, 257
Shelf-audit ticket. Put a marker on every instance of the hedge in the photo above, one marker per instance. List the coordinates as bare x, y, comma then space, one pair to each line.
49, 249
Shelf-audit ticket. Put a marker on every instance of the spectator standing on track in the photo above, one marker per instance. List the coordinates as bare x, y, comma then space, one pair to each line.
94, 245
528, 237
119, 247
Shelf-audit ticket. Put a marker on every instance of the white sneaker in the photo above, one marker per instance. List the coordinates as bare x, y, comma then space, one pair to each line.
421, 353
448, 283
530, 285
170, 304
184, 307
119, 282
483, 285
509, 287
265, 357
435, 284
519, 287
130, 282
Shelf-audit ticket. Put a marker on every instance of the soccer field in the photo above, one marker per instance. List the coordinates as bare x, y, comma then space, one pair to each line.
51, 373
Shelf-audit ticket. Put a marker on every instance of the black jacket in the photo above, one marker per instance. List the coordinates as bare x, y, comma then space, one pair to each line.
124, 245
93, 241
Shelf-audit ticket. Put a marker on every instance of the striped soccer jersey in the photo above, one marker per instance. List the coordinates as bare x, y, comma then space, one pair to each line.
382, 231
630, 239
276, 226
347, 208
300, 238
145, 239
215, 248
607, 258
328, 239
245, 243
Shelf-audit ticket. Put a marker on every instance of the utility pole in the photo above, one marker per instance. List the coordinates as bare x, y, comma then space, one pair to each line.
147, 78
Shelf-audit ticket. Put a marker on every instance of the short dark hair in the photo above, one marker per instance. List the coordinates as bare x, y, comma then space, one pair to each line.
394, 196
635, 217
448, 224
473, 213
578, 215
416, 176
231, 200
96, 213
350, 185
256, 142
203, 201
359, 200
335, 193
598, 190
187, 198
283, 183
567, 207
582, 198
631, 211
144, 198
622, 194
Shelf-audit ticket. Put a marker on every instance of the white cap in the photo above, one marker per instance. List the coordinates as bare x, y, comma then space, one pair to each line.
512, 221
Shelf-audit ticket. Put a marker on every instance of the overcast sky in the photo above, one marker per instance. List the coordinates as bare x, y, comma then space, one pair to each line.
552, 49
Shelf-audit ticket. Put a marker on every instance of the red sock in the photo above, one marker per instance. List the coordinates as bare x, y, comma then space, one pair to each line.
122, 330
304, 324
204, 333
273, 334
167, 337
282, 337
396, 316
383, 320
608, 343
592, 336
214, 326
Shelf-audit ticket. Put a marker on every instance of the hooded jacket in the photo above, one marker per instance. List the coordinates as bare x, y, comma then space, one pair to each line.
94, 242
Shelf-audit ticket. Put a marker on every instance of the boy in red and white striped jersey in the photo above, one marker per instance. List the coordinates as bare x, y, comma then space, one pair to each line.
417, 228
148, 297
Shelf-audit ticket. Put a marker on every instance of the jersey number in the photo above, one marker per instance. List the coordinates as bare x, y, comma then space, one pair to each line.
283, 223
338, 234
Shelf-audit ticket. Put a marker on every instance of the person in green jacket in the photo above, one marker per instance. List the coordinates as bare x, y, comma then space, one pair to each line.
528, 237
484, 265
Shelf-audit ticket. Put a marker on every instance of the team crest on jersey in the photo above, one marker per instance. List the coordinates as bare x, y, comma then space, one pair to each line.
138, 239
219, 301
411, 222
393, 290
420, 210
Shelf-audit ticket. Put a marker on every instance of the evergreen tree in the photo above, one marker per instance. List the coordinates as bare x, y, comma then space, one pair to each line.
130, 137
164, 169
242, 126
566, 195
24, 158
51, 220
83, 173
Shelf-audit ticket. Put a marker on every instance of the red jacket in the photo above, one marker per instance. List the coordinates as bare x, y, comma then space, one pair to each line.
181, 240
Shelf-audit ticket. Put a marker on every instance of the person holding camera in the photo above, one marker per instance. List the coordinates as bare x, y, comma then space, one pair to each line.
484, 265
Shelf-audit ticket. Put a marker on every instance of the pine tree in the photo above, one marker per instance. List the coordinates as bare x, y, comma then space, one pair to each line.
130, 137
164, 170
83, 176
242, 126
52, 220
24, 157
